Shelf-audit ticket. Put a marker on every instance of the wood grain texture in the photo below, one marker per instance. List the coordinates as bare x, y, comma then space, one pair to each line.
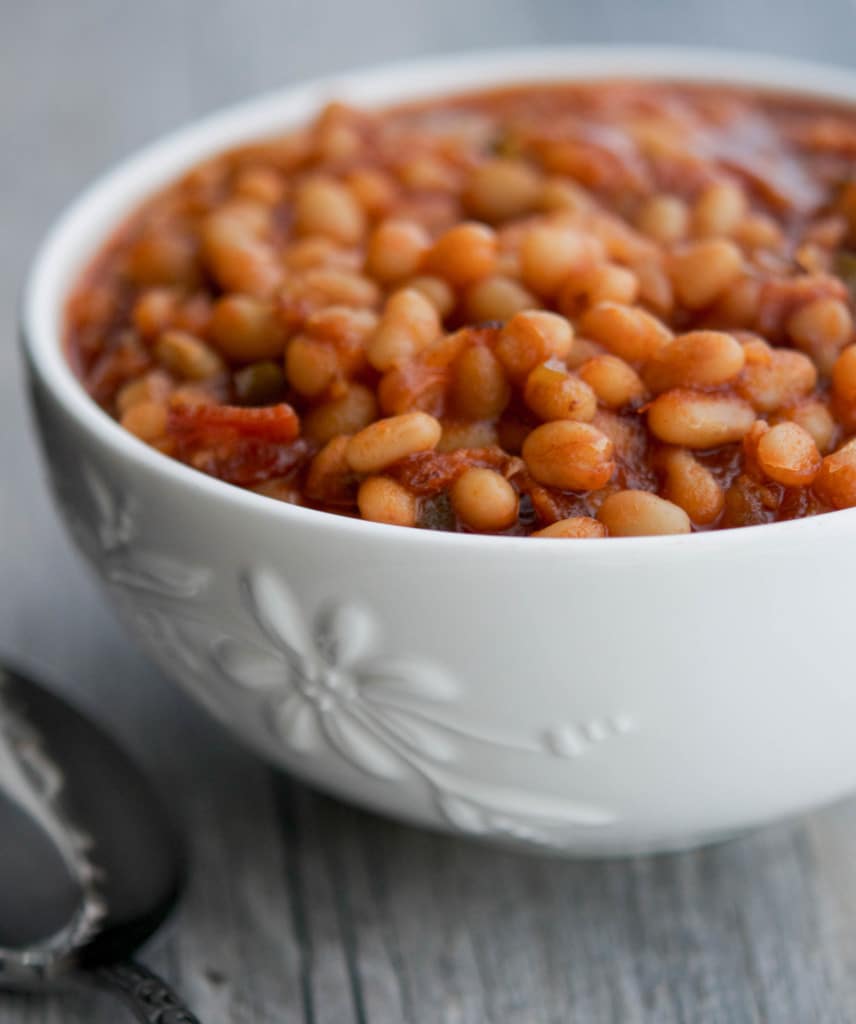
302, 910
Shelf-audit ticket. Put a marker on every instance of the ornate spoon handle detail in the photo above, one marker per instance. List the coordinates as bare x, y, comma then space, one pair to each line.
151, 999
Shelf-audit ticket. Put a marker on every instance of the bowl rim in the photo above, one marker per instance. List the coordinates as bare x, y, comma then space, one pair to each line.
88, 221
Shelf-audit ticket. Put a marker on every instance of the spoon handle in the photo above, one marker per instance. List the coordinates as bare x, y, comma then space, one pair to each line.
151, 999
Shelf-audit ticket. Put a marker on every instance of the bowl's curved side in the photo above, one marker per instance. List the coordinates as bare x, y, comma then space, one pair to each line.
604, 706
584, 697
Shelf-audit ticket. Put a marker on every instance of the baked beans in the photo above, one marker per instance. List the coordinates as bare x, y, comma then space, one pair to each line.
569, 311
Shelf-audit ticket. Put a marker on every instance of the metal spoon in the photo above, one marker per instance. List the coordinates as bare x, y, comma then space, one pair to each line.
89, 864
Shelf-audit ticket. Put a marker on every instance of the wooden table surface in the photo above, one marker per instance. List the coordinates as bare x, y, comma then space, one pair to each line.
301, 909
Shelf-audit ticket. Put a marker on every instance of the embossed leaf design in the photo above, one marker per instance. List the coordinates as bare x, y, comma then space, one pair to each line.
483, 809
398, 681
462, 813
419, 736
157, 574
468, 816
114, 517
109, 534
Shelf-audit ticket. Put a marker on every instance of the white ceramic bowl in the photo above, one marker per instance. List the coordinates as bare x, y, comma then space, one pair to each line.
589, 697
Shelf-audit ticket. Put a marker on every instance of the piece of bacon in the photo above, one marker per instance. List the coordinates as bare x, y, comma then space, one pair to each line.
276, 423
243, 446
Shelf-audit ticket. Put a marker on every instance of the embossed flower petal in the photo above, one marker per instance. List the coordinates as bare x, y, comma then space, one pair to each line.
297, 723
399, 681
344, 633
358, 744
277, 613
250, 666
427, 738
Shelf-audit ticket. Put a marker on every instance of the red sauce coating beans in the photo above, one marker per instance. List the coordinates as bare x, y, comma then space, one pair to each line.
559, 310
